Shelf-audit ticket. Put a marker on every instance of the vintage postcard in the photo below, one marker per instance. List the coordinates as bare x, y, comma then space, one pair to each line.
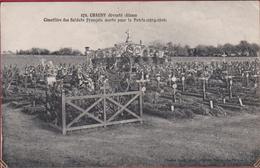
130, 84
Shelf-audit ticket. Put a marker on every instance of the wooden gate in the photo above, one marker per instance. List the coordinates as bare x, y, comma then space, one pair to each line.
101, 104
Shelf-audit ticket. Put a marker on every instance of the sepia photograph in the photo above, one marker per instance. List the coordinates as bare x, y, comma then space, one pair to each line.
130, 84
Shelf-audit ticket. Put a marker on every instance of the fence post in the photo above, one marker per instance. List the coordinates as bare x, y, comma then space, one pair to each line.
247, 79
63, 111
240, 102
211, 104
204, 89
141, 103
104, 103
25, 83
46, 98
34, 94
230, 88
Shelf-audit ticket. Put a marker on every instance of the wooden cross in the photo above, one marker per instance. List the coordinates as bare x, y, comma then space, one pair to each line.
183, 83
174, 86
141, 82
230, 83
127, 36
170, 79
158, 78
104, 86
204, 87
142, 89
256, 80
247, 78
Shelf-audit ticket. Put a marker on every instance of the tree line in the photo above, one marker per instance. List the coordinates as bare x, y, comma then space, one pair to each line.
242, 49
172, 50
42, 51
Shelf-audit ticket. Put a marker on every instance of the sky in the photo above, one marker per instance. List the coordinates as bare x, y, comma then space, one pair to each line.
192, 23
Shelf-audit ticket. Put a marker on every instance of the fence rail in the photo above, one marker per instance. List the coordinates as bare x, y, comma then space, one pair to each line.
104, 99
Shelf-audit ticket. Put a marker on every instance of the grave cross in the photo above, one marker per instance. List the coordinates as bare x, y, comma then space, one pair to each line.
104, 87
183, 83
229, 79
256, 80
170, 79
247, 78
203, 87
158, 78
173, 81
141, 82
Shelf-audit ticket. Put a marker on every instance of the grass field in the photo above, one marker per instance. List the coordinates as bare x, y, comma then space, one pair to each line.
203, 140
22, 60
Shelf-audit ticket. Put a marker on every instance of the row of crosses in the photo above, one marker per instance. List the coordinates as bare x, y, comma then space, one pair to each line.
173, 83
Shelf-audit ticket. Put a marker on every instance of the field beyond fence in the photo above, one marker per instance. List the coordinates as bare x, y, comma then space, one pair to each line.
22, 60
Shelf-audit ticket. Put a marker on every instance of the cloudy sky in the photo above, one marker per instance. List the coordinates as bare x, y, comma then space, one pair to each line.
192, 23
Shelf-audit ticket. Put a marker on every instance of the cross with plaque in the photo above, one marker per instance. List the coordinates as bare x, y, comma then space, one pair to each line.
174, 86
256, 76
142, 82
142, 88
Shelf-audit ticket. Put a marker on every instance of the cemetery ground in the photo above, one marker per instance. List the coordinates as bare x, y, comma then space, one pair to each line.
201, 140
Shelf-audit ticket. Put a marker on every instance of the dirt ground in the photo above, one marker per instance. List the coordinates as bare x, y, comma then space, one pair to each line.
203, 140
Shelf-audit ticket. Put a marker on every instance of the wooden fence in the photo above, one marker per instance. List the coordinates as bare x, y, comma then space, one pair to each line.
100, 100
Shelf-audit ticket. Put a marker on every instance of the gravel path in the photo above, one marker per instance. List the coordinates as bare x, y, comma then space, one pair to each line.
231, 140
